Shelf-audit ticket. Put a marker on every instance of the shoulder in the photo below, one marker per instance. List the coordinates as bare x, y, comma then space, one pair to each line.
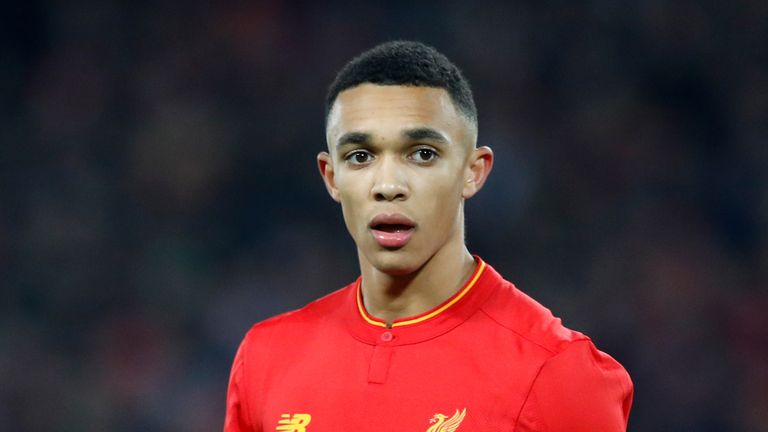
579, 389
299, 321
575, 383
529, 320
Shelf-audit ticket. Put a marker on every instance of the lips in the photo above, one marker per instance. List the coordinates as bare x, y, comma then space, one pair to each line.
392, 230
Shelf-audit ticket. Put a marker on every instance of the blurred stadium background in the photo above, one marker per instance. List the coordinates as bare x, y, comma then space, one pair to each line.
158, 192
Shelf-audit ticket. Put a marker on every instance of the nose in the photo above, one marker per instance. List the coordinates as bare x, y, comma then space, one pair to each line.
390, 182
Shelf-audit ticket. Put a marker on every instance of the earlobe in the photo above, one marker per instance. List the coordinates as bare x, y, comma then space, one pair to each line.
325, 165
480, 165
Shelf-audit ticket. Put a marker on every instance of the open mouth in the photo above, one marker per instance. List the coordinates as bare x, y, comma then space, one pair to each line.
391, 228
392, 231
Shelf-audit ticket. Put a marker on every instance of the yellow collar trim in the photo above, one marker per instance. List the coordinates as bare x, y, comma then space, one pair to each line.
418, 319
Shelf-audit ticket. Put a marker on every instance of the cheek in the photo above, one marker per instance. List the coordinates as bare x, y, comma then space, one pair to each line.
442, 199
351, 202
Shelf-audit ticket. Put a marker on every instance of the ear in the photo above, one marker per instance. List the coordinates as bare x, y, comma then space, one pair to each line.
325, 165
479, 167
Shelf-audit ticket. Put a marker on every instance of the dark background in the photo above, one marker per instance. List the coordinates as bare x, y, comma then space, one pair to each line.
158, 192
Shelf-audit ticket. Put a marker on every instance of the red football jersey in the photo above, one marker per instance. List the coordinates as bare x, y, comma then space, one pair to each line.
488, 359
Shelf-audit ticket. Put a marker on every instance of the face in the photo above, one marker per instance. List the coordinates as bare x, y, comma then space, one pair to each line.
401, 162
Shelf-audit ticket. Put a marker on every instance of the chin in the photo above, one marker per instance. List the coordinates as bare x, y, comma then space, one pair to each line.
395, 262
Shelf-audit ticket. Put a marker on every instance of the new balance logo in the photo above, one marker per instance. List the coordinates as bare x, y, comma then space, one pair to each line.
293, 423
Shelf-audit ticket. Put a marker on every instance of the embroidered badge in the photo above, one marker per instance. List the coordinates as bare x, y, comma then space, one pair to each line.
441, 422
293, 423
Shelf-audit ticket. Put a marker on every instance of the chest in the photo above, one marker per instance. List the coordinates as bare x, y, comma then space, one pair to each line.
451, 383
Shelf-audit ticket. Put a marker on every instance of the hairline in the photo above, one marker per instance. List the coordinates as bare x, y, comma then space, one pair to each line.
471, 119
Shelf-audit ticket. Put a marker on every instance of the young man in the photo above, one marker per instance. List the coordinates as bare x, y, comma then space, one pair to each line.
429, 338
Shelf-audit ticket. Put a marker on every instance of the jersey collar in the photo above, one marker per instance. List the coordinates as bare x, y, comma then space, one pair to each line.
431, 323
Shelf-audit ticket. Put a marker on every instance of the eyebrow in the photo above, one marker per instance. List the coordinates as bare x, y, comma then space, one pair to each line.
415, 134
353, 138
425, 133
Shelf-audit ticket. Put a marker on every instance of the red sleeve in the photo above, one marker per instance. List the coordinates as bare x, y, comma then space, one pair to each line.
236, 419
578, 390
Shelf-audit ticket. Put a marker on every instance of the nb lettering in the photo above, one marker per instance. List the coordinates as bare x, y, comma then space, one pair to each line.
293, 422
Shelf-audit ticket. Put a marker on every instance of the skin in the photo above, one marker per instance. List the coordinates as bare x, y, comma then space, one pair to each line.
405, 150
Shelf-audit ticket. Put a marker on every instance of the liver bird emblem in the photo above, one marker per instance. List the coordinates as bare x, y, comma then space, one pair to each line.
441, 422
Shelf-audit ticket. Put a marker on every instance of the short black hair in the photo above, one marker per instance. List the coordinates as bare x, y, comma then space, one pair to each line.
405, 63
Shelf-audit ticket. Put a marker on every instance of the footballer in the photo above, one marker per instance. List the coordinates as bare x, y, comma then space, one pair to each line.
429, 337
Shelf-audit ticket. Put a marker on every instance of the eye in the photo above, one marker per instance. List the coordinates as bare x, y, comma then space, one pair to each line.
359, 157
424, 155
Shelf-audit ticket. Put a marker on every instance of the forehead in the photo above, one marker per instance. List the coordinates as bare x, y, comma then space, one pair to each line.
383, 109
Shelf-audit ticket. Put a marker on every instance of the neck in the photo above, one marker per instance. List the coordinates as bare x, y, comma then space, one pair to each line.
390, 297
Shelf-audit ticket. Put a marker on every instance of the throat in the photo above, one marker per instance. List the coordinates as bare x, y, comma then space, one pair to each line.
391, 298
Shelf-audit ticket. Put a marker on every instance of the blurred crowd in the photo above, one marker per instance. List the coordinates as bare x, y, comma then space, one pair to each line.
158, 192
